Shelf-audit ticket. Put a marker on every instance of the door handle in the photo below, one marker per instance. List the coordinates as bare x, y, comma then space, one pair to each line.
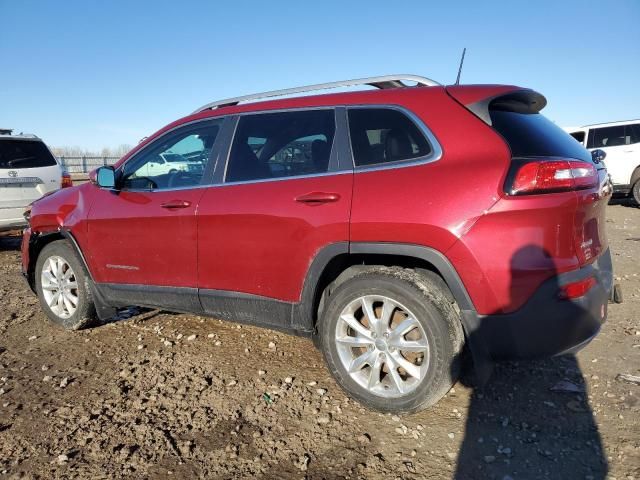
174, 204
317, 198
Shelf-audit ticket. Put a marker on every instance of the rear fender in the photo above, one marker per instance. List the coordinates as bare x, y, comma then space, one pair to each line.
303, 315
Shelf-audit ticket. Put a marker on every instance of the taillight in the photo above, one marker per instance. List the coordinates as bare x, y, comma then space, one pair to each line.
576, 289
546, 176
66, 181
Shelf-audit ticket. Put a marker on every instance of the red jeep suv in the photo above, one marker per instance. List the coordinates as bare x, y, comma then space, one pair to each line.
393, 225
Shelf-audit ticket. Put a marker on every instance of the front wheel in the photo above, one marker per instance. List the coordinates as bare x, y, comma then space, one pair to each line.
63, 286
392, 338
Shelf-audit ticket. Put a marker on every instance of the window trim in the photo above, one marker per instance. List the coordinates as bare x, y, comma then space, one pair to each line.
216, 170
334, 167
209, 169
433, 156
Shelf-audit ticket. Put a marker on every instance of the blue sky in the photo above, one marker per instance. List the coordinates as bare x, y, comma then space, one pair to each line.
96, 74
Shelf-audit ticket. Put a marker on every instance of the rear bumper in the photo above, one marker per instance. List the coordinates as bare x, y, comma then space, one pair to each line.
546, 325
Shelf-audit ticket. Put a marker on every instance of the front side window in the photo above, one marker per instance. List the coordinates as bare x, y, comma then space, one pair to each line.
382, 135
177, 160
284, 144
607, 137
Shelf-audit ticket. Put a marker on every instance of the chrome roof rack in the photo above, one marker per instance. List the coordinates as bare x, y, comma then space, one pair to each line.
383, 82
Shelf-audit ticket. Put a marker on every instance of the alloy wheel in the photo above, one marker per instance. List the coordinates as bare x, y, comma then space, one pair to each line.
382, 345
60, 287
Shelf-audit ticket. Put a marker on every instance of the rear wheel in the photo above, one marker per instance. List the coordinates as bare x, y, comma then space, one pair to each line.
392, 339
63, 286
635, 192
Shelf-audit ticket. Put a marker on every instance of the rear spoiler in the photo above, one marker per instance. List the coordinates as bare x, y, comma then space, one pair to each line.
480, 98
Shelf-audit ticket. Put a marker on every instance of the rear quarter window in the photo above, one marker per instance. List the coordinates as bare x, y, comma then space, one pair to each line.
16, 154
533, 135
384, 135
579, 136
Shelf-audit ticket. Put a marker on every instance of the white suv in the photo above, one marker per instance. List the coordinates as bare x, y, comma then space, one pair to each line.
28, 170
621, 143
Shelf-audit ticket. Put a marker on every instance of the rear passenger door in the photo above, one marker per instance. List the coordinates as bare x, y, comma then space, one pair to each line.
285, 195
397, 195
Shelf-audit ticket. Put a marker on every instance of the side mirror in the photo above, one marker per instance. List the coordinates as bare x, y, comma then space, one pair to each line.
106, 177
598, 155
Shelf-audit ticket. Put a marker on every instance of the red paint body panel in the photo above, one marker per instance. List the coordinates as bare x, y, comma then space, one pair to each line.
523, 241
66, 208
256, 238
590, 222
133, 239
434, 203
489, 258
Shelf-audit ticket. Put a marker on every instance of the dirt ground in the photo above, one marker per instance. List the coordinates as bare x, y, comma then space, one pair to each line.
160, 395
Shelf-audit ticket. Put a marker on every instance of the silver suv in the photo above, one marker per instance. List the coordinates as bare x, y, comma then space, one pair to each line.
28, 170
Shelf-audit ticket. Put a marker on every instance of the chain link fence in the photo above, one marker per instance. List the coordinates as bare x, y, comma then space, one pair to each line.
85, 164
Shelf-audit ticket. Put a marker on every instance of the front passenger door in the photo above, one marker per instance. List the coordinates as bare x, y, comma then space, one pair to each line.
142, 236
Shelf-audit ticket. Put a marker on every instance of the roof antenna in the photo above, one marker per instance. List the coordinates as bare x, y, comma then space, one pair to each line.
464, 50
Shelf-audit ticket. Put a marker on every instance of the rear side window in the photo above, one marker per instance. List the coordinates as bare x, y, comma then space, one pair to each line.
607, 137
24, 154
533, 135
383, 135
614, 136
633, 133
284, 144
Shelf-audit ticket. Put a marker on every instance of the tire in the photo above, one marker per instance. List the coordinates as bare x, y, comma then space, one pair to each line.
635, 192
403, 294
56, 257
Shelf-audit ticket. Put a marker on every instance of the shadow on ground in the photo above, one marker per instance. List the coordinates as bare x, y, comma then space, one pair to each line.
624, 201
9, 242
532, 419
517, 427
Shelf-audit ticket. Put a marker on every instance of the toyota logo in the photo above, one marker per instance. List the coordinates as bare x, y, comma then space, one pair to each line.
12, 173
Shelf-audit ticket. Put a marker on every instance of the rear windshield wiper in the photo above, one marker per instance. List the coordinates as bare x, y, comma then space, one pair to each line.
12, 163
